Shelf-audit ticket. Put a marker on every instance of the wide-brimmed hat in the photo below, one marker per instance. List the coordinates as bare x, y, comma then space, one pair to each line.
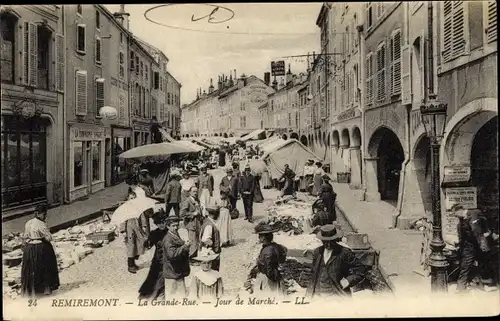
326, 177
159, 217
247, 167
144, 170
206, 256
265, 229
329, 233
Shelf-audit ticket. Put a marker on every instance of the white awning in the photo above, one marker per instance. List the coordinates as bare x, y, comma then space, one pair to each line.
253, 134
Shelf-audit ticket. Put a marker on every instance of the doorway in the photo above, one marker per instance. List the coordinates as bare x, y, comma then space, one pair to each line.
390, 155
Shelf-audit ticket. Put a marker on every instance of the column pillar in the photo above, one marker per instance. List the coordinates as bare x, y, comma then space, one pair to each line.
335, 161
346, 159
371, 194
355, 156
413, 196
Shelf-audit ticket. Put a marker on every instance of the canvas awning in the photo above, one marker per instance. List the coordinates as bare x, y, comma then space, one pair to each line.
253, 135
291, 152
186, 143
165, 136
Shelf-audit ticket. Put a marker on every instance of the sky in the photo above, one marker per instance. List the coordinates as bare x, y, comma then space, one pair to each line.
257, 34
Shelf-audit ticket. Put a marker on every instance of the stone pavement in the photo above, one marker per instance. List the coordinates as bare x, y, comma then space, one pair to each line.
399, 249
70, 212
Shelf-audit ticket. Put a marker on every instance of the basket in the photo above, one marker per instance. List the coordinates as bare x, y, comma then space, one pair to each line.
101, 236
234, 214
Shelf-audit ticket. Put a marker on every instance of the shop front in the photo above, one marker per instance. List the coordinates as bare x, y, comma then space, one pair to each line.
87, 159
121, 141
141, 134
24, 161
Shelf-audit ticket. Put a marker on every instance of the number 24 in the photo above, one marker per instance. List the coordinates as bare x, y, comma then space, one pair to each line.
32, 303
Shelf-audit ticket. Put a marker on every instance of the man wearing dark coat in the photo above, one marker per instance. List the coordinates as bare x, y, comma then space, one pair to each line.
229, 188
288, 176
246, 189
328, 196
210, 237
335, 268
175, 260
173, 195
191, 214
222, 157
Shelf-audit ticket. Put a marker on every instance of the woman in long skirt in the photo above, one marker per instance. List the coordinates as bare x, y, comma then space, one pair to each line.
224, 222
39, 272
266, 179
154, 285
317, 178
257, 195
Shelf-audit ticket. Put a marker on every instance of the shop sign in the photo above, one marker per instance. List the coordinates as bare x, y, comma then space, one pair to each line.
278, 68
87, 134
457, 173
465, 196
348, 114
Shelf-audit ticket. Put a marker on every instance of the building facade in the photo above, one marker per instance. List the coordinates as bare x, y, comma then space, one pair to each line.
467, 81
33, 87
173, 105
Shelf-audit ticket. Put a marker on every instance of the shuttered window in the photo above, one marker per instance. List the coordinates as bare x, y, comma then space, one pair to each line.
454, 41
132, 60
121, 63
30, 54
98, 50
380, 9
81, 92
491, 29
369, 15
99, 95
147, 100
381, 72
81, 45
136, 65
406, 75
396, 62
369, 78
59, 73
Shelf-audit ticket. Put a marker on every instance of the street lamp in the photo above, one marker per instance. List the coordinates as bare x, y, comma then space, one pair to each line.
434, 119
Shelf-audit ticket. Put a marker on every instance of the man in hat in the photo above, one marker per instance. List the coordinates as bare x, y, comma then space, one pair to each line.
246, 188
210, 237
146, 182
266, 273
176, 260
205, 184
229, 188
173, 195
335, 268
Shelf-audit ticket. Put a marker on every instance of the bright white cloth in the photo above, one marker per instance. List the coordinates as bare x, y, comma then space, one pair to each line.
327, 255
187, 183
36, 229
224, 225
319, 171
205, 200
208, 277
206, 235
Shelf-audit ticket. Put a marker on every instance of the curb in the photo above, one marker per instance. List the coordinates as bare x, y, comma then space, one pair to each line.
380, 268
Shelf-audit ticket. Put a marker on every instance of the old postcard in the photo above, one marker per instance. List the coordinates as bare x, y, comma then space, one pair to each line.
249, 160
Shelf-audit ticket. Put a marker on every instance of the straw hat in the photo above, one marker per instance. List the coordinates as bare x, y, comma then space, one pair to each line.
206, 255
329, 233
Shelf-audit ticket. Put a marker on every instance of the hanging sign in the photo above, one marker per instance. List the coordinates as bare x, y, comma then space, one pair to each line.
457, 173
278, 68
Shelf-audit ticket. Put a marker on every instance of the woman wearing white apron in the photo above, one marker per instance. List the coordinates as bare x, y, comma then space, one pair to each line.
317, 178
205, 185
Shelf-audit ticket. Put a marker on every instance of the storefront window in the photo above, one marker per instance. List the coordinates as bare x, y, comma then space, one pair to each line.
96, 161
78, 160
23, 161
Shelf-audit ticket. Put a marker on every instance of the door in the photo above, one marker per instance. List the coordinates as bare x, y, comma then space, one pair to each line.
88, 165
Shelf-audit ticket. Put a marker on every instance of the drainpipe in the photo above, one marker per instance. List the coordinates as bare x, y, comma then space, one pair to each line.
64, 120
362, 80
404, 166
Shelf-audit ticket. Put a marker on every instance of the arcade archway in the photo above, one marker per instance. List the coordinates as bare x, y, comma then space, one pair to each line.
284, 136
385, 145
294, 136
422, 167
303, 140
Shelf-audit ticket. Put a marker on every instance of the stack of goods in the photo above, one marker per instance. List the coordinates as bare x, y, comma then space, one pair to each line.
295, 272
290, 217
70, 245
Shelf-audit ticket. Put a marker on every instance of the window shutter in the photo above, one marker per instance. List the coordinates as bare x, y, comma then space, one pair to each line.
381, 72
396, 63
491, 31
406, 75
137, 65
99, 95
425, 73
98, 50
60, 62
30, 54
132, 61
458, 28
369, 79
447, 30
81, 92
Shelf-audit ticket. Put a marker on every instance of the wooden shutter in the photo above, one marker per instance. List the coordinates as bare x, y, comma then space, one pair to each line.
491, 29
396, 62
98, 50
81, 92
99, 95
137, 64
132, 60
459, 42
381, 72
60, 72
369, 78
406, 75
30, 54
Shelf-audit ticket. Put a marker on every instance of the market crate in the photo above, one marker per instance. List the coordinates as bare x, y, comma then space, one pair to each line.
101, 236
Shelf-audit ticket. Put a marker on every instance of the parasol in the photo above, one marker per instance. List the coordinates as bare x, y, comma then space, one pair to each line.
161, 149
258, 166
132, 209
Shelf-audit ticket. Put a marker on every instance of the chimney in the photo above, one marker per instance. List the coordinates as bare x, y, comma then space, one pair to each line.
219, 84
235, 76
282, 83
231, 82
123, 17
267, 78
275, 84
211, 88
289, 75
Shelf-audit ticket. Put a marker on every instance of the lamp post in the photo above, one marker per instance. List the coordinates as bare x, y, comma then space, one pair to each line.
433, 115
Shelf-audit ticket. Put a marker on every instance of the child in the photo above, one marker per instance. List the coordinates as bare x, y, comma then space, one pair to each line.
206, 283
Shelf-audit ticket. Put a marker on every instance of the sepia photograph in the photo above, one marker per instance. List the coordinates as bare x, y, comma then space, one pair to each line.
249, 160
